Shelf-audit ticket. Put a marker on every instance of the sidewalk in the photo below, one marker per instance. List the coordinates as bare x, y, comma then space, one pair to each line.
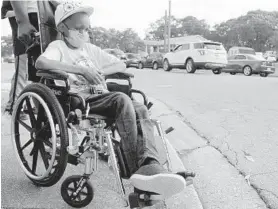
19, 192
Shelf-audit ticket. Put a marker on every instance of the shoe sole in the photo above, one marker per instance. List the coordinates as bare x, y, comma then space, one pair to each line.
166, 185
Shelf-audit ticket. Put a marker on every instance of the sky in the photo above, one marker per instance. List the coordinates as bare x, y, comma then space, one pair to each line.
138, 14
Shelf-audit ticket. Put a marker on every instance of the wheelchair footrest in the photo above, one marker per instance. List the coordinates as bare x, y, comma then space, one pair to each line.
143, 199
73, 159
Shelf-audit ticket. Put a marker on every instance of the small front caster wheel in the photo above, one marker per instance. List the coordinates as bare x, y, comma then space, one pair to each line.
77, 191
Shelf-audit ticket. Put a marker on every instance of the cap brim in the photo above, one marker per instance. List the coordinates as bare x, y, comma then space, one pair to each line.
88, 10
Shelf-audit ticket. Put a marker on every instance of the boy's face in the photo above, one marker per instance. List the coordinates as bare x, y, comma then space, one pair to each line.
79, 22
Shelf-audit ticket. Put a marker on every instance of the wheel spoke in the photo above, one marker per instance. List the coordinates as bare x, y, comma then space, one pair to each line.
31, 113
75, 184
44, 156
79, 197
43, 129
83, 193
25, 125
26, 145
48, 143
35, 158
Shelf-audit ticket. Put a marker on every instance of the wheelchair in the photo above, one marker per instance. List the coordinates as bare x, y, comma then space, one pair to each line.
62, 129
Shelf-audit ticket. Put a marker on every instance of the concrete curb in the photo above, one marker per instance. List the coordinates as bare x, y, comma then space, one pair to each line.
183, 139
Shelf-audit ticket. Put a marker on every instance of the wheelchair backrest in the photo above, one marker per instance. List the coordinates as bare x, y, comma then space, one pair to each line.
48, 33
48, 30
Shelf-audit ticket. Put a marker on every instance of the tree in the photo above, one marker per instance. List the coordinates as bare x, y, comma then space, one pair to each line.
156, 29
273, 41
192, 26
127, 40
252, 30
179, 27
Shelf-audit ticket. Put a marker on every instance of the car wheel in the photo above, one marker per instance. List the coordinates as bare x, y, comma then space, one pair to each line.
216, 71
140, 65
232, 73
247, 70
166, 65
155, 66
190, 66
263, 74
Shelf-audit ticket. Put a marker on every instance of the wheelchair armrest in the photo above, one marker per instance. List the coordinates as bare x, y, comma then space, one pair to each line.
53, 74
120, 75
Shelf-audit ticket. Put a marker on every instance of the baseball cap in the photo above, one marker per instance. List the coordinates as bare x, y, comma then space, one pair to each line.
68, 8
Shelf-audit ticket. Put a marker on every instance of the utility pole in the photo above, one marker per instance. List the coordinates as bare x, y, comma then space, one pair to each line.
165, 31
169, 27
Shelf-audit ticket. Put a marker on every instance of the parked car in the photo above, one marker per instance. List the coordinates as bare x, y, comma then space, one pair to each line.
117, 53
197, 55
153, 61
271, 56
133, 60
249, 64
9, 59
240, 50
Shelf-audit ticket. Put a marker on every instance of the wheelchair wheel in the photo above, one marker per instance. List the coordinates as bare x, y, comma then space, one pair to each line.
41, 140
83, 193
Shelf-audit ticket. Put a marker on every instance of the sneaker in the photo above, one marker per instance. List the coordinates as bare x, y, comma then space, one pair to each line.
154, 178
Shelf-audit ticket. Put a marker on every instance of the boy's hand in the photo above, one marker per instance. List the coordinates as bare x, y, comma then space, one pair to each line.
93, 76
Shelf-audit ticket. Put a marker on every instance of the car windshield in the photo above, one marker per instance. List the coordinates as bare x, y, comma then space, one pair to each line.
214, 46
255, 57
133, 56
156, 55
247, 51
115, 52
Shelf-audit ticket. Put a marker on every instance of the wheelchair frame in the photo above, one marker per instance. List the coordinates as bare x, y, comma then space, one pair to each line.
99, 138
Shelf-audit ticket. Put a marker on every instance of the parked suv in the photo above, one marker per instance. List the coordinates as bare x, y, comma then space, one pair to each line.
197, 55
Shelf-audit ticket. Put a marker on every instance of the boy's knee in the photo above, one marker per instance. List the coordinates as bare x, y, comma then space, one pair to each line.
142, 111
122, 99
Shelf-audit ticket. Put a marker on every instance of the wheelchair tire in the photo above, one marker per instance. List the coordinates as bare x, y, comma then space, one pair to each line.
41, 134
78, 202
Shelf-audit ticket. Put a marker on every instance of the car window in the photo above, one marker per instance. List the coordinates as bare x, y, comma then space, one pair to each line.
185, 46
240, 57
247, 51
214, 46
178, 48
130, 56
198, 46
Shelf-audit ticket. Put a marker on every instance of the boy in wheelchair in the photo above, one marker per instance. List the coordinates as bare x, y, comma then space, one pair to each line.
86, 65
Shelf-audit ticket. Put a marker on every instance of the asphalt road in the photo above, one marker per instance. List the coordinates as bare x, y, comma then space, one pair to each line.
238, 115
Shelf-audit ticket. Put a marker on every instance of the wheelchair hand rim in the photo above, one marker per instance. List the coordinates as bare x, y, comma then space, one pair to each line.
53, 138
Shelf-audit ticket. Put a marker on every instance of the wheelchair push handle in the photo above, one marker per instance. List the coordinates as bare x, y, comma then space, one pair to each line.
35, 41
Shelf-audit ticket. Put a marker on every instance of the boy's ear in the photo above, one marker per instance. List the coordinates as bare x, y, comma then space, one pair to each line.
63, 29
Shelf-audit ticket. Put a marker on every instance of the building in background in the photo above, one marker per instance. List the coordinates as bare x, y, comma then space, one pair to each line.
158, 46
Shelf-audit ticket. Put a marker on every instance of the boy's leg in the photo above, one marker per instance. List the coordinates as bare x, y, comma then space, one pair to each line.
118, 106
146, 147
151, 176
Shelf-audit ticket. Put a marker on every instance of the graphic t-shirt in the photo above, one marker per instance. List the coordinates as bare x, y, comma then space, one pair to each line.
89, 56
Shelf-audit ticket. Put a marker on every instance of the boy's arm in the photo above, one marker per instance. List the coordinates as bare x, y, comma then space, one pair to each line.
108, 63
50, 60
